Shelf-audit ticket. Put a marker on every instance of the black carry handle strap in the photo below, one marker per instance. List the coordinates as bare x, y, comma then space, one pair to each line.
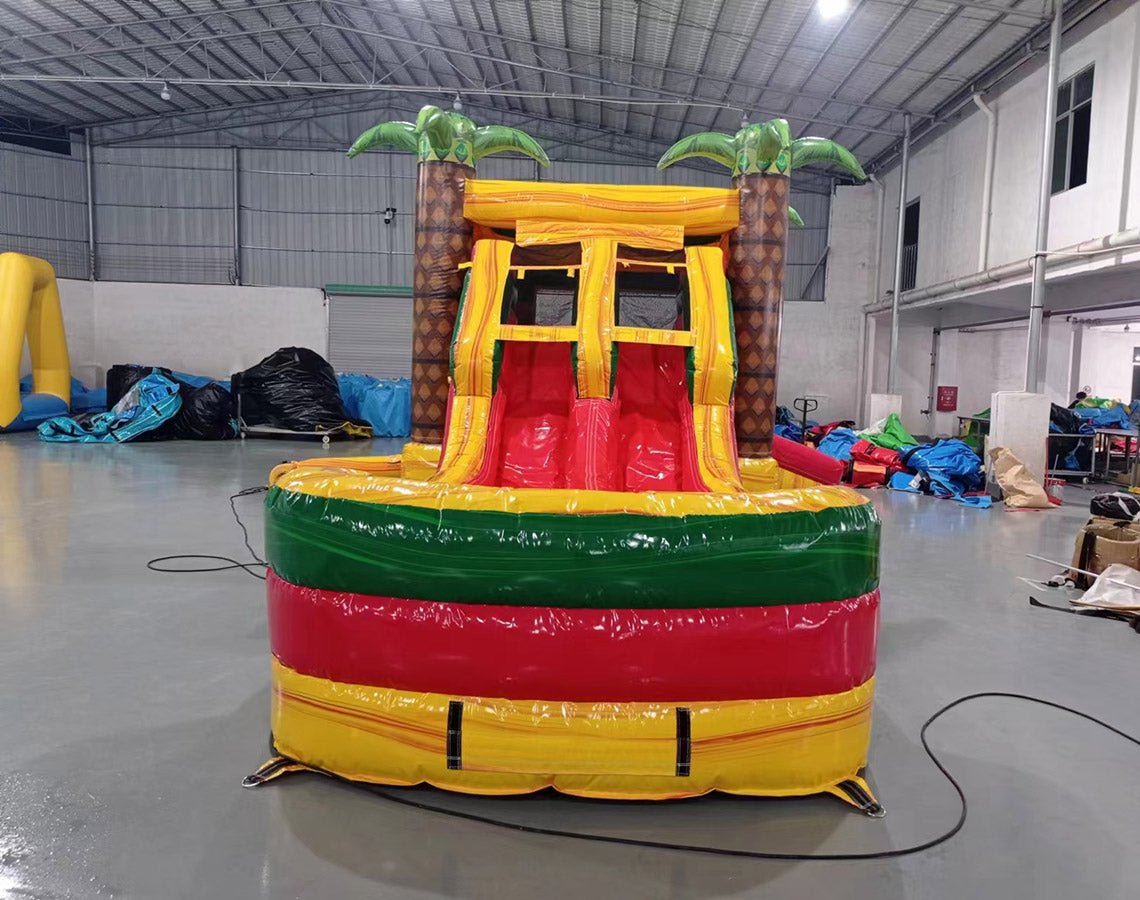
455, 734
684, 738
1088, 545
684, 742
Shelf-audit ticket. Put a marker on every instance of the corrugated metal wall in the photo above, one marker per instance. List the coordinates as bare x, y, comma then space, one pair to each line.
314, 217
164, 214
806, 247
43, 208
307, 217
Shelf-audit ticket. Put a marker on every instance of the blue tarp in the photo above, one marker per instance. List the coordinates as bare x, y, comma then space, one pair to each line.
37, 408
1116, 417
147, 405
947, 468
838, 443
791, 432
385, 403
34, 409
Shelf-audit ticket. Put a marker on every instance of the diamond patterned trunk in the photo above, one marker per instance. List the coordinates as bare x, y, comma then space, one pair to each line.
756, 251
443, 241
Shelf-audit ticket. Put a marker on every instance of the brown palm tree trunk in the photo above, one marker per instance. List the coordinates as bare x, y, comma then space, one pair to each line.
756, 251
443, 241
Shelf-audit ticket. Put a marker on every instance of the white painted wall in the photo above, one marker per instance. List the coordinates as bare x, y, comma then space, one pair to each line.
819, 342
913, 369
1056, 362
987, 360
213, 330
947, 174
1106, 361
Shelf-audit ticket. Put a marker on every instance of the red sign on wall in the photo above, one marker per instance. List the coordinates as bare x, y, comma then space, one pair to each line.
947, 397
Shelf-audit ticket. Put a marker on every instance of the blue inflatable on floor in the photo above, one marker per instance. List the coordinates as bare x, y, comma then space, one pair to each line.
384, 403
37, 408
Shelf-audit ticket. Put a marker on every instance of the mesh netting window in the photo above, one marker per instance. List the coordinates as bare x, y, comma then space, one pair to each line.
652, 299
540, 298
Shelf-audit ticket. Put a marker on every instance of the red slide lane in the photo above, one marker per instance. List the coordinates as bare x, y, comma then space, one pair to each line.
655, 422
536, 391
540, 653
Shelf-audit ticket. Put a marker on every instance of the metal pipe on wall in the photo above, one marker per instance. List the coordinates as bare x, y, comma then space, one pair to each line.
892, 359
932, 386
987, 181
90, 185
236, 166
1037, 289
866, 370
864, 359
1073, 254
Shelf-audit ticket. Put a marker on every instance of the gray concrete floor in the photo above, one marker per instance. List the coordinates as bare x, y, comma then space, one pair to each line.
132, 703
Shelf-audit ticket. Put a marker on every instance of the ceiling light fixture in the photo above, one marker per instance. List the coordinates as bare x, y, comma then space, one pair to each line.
829, 9
457, 104
165, 92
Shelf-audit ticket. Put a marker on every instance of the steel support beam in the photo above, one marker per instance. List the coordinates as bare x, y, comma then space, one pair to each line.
892, 359
92, 268
235, 163
1044, 190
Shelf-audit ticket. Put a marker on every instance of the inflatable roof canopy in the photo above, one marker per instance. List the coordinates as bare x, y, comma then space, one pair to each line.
593, 569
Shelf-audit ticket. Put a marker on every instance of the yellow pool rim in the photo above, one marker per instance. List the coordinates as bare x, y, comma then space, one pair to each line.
380, 483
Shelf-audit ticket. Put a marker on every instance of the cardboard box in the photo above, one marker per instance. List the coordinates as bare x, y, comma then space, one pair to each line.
1102, 542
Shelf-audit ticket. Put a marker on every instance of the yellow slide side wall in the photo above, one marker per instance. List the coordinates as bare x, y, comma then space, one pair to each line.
476, 332
713, 375
29, 307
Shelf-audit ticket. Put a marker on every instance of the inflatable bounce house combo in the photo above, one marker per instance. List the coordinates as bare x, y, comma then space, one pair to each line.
29, 308
592, 569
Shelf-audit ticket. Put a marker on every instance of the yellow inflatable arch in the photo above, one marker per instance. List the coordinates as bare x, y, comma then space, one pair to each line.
29, 307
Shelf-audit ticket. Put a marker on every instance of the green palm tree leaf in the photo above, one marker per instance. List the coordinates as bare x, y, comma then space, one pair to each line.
807, 151
794, 218
499, 139
401, 135
712, 145
462, 128
434, 123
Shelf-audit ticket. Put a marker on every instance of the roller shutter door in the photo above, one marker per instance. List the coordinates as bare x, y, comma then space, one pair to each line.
371, 333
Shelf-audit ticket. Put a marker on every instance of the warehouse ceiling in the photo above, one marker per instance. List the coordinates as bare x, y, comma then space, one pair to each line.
619, 77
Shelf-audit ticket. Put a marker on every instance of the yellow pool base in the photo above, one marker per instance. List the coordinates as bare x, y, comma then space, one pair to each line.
794, 746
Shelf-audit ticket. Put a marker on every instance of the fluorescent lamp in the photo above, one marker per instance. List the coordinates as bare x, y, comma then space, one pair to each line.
829, 9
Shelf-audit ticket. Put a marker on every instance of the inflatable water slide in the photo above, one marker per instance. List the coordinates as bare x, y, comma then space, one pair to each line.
592, 570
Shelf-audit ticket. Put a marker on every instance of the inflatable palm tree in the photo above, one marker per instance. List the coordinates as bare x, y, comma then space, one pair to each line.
762, 158
448, 145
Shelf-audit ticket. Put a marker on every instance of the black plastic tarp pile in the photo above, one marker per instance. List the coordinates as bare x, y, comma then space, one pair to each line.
294, 389
206, 413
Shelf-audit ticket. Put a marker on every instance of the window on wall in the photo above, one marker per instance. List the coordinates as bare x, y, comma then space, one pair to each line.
910, 246
1071, 132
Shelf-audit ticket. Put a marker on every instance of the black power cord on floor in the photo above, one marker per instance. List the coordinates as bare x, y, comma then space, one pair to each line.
667, 845
764, 854
250, 568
